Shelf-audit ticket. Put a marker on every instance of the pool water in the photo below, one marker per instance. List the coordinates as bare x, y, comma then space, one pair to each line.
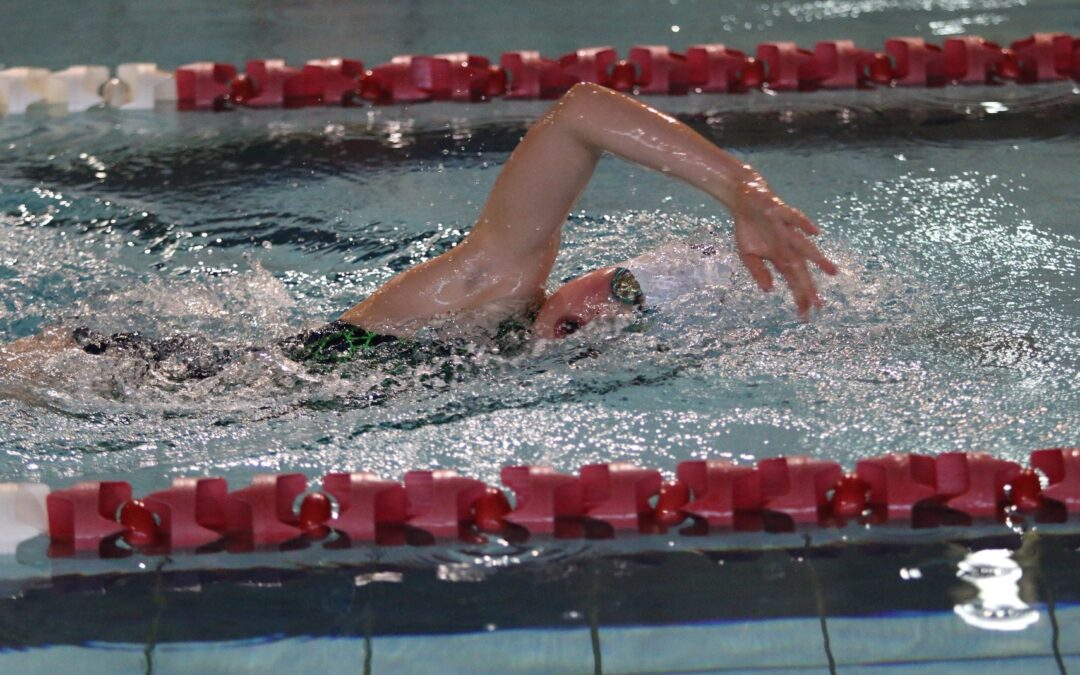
923, 605
954, 324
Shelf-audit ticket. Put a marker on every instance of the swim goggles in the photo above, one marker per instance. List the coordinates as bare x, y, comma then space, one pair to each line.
625, 288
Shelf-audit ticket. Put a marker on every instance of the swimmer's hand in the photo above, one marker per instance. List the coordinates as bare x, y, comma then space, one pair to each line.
766, 228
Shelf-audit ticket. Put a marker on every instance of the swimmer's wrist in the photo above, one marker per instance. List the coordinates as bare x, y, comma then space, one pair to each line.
744, 180
739, 184
752, 181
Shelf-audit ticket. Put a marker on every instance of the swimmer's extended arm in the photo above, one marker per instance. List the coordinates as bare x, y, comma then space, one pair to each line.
511, 249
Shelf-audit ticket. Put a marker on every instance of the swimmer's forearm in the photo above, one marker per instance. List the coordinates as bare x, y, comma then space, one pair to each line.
551, 167
609, 121
766, 228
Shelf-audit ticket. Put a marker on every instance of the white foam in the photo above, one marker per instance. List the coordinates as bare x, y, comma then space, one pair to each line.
677, 269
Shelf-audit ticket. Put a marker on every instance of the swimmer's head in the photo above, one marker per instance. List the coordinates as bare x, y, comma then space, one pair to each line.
606, 292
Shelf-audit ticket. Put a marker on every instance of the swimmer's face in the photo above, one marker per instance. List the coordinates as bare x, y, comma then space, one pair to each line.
580, 301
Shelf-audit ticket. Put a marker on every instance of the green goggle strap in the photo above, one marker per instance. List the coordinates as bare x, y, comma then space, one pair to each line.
355, 341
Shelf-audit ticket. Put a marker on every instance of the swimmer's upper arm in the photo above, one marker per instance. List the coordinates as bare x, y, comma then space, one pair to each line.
533, 194
510, 251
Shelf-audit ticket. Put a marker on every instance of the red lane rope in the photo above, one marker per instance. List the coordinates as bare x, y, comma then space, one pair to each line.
465, 77
776, 494
652, 69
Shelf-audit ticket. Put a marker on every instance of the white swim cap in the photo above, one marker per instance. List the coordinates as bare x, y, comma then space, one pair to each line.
677, 269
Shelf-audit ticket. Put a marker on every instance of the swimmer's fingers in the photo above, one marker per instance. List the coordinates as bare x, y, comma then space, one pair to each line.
758, 271
814, 255
801, 284
797, 219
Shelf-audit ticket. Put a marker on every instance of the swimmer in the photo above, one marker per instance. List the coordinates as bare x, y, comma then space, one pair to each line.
504, 261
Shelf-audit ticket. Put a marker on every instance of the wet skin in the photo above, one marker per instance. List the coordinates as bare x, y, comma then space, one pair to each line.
507, 256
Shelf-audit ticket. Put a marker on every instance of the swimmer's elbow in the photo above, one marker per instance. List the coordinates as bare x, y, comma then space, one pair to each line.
582, 89
578, 103
587, 111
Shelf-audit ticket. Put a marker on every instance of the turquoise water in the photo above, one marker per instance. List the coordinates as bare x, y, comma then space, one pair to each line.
955, 324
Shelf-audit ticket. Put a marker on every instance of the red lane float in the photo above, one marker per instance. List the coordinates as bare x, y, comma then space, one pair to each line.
752, 75
647, 69
410, 78
1045, 57
879, 70
271, 84
916, 62
713, 67
204, 85
1025, 491
670, 501
440, 501
899, 482
276, 510
81, 516
498, 82
315, 509
660, 70
593, 64
331, 82
542, 495
365, 502
969, 59
490, 510
141, 528
974, 482
849, 496
394, 83
798, 487
839, 64
533, 76
787, 67
453, 77
618, 493
720, 490
192, 512
1008, 68
262, 513
1062, 469
623, 76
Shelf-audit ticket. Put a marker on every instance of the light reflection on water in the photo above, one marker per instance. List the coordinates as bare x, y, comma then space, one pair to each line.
953, 326
996, 576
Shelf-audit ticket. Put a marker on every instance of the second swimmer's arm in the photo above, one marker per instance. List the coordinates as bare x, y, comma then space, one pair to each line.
513, 245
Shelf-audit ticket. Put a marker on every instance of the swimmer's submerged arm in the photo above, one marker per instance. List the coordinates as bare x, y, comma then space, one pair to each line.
510, 251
